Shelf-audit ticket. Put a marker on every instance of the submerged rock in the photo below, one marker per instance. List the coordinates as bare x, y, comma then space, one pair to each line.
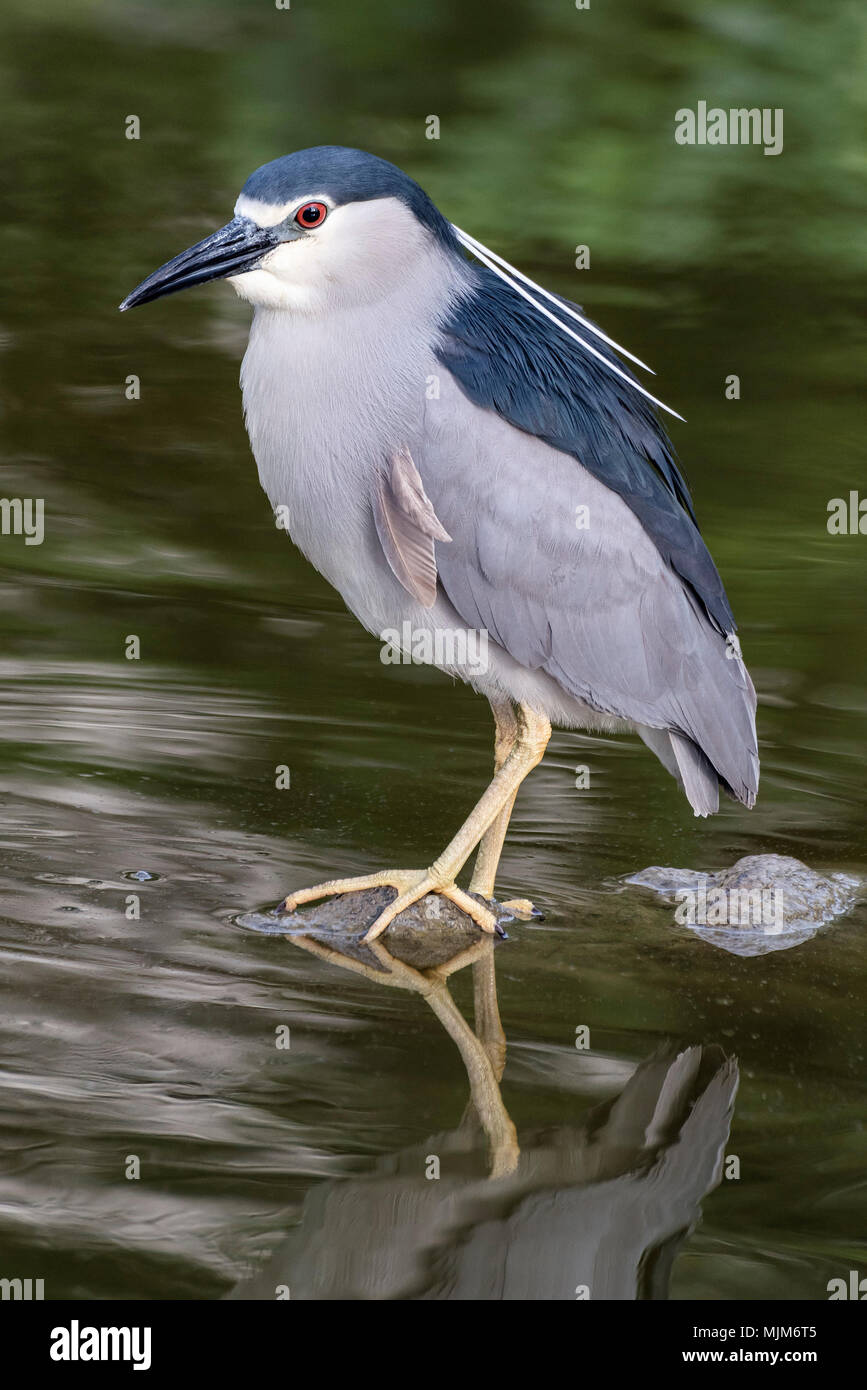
764, 902
424, 935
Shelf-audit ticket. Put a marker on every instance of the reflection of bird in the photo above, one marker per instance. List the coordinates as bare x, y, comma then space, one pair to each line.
459, 453
594, 1211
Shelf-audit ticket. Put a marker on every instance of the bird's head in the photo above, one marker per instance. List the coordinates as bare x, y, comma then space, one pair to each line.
325, 227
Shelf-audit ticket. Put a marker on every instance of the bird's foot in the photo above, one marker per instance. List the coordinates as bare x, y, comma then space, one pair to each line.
411, 884
523, 909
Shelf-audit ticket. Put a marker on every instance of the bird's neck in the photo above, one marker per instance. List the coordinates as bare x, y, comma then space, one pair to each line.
327, 396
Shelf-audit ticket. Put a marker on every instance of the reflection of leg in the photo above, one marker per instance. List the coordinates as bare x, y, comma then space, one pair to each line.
484, 1086
486, 1103
511, 729
486, 1013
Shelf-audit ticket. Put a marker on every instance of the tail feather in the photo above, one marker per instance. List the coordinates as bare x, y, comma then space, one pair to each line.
693, 771
698, 777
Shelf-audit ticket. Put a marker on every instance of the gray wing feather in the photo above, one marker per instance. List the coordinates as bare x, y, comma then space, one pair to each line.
597, 608
697, 776
408, 526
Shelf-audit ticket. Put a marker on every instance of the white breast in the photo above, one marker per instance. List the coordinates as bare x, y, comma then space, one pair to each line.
327, 396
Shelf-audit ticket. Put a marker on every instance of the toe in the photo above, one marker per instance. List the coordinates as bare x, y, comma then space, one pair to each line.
523, 909
481, 915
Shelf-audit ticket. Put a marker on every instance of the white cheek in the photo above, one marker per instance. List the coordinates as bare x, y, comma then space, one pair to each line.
297, 261
358, 255
257, 287
284, 280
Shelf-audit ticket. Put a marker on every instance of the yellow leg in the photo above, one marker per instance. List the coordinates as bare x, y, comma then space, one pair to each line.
532, 734
491, 846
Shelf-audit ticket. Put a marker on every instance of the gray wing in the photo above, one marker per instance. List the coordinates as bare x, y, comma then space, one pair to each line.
563, 576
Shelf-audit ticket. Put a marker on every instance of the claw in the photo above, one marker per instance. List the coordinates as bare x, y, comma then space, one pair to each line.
523, 909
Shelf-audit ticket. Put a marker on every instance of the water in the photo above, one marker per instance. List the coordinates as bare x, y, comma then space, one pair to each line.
152, 1037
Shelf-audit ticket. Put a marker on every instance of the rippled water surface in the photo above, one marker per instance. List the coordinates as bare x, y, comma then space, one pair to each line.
152, 781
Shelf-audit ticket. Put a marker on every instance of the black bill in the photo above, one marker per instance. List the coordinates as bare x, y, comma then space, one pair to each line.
237, 247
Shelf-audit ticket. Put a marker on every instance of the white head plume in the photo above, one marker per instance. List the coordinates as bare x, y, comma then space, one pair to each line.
518, 280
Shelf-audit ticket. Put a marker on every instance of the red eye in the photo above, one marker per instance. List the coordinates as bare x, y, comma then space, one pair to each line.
311, 214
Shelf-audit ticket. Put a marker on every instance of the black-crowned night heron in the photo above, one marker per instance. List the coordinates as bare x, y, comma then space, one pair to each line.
460, 453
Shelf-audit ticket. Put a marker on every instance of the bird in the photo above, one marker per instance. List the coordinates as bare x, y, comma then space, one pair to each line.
469, 461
